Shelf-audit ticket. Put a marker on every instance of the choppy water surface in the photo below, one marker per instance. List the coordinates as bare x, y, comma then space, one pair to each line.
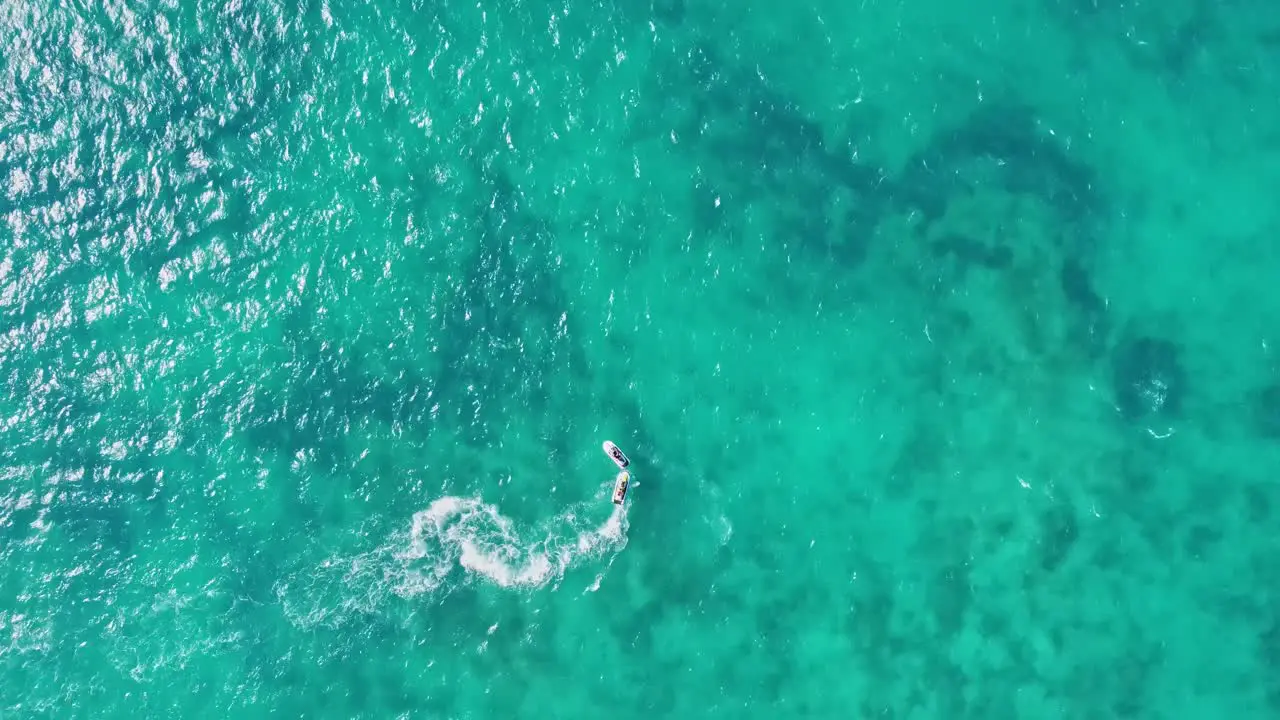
942, 344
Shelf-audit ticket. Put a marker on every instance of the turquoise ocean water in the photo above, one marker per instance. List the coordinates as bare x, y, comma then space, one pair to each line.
942, 337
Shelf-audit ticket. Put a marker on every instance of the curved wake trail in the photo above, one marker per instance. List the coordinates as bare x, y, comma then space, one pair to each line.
474, 535
453, 542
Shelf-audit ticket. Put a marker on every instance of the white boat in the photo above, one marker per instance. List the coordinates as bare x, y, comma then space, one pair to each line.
616, 455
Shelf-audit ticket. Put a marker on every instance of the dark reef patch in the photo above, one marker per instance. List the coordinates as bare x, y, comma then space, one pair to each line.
493, 327
1260, 500
786, 188
1018, 154
972, 252
498, 324
1266, 412
1059, 535
1078, 287
1093, 325
669, 12
1268, 647
1148, 378
756, 149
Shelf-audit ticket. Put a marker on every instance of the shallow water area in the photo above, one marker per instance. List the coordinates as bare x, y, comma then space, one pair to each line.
941, 344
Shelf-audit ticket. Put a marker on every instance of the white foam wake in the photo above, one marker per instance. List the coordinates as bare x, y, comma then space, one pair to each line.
472, 534
454, 541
